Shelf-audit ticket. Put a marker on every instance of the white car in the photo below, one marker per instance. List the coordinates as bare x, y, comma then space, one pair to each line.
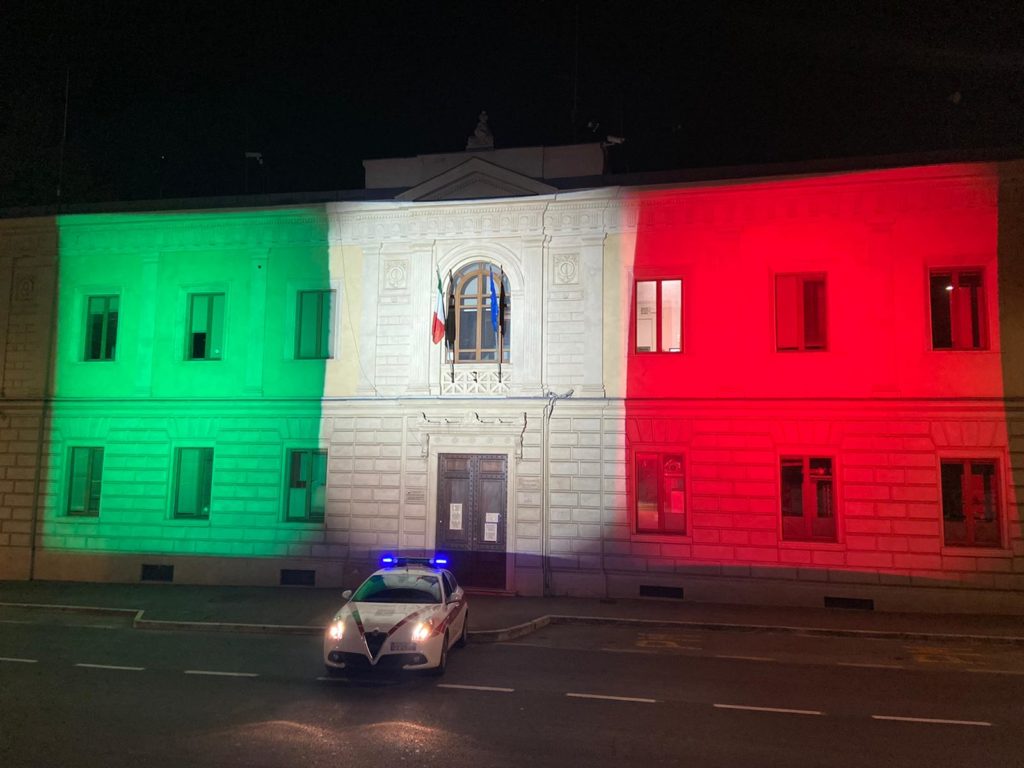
405, 616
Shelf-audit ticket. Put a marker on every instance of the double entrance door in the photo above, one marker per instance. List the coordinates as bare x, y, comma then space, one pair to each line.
471, 515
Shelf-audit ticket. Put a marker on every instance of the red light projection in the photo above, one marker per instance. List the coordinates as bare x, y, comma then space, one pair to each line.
807, 401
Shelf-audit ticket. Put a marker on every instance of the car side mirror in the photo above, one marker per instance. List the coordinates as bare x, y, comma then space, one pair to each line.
347, 594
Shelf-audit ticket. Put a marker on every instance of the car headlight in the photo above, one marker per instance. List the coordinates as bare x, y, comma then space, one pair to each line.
337, 629
422, 631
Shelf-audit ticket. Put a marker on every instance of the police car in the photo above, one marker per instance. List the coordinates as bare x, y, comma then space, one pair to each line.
407, 615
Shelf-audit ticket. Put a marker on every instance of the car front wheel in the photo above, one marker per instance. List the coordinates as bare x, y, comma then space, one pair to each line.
443, 663
461, 642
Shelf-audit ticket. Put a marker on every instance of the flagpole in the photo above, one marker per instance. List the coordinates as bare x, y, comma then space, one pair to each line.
501, 324
451, 347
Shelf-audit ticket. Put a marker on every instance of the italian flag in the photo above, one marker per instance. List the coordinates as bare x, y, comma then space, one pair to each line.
438, 329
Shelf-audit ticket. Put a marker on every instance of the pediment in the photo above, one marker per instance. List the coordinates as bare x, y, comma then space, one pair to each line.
475, 179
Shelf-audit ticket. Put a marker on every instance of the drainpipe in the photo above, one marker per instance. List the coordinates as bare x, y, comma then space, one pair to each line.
545, 560
44, 413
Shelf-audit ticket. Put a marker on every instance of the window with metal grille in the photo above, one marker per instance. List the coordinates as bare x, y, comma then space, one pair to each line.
101, 327
958, 309
659, 316
808, 499
313, 325
193, 482
205, 339
970, 503
307, 482
481, 328
800, 318
85, 473
660, 492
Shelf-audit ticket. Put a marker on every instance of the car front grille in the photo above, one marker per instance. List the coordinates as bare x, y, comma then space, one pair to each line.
357, 662
374, 640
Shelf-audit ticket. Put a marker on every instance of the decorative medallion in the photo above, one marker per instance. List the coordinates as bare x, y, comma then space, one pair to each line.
395, 275
25, 289
566, 268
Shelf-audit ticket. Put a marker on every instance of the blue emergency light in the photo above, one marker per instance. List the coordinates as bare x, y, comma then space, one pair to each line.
392, 561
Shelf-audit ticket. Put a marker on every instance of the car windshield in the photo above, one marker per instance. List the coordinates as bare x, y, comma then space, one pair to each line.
399, 587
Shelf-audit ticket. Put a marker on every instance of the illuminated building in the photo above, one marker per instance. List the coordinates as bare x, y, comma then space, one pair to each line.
778, 389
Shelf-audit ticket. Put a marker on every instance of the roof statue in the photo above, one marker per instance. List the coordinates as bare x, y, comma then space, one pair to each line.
482, 137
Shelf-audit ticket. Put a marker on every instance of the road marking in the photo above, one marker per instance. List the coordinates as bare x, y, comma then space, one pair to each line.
644, 651
935, 720
997, 671
868, 666
15, 621
111, 666
610, 698
19, 661
770, 709
662, 640
476, 687
542, 645
219, 674
743, 658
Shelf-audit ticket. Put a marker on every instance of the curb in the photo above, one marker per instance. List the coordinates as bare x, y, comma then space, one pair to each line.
526, 628
213, 626
868, 634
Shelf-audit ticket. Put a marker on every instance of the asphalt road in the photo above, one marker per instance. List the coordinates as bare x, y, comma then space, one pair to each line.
102, 694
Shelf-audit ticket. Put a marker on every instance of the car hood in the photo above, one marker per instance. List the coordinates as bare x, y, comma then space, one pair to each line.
384, 616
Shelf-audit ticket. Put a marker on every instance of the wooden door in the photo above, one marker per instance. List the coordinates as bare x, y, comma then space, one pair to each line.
471, 517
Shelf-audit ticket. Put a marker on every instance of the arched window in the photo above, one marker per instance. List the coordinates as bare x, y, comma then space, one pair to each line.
476, 338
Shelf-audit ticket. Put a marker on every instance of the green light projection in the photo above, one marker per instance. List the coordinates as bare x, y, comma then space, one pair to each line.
182, 355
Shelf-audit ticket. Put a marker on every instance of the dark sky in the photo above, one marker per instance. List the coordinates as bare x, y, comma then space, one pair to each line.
166, 97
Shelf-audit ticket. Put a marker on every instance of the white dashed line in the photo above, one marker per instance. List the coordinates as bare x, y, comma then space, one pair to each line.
868, 666
111, 666
19, 661
932, 720
744, 658
648, 651
778, 710
219, 674
610, 698
997, 671
495, 688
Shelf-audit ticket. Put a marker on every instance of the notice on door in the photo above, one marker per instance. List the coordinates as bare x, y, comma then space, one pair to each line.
455, 517
490, 531
492, 517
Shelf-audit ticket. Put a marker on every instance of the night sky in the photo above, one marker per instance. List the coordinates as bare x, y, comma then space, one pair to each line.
165, 98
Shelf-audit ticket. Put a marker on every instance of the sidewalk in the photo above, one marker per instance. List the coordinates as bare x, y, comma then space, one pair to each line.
299, 610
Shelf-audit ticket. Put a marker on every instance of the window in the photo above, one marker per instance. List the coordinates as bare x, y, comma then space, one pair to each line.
480, 330
86, 477
970, 503
307, 479
660, 493
101, 327
449, 584
205, 326
958, 310
193, 479
808, 499
659, 316
313, 325
800, 313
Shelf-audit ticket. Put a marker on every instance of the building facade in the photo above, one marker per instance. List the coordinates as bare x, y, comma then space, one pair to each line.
793, 390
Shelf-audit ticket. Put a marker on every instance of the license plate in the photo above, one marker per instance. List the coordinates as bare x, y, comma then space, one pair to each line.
403, 646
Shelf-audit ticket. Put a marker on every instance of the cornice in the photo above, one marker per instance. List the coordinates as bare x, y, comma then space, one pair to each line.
512, 218
743, 205
429, 221
193, 231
